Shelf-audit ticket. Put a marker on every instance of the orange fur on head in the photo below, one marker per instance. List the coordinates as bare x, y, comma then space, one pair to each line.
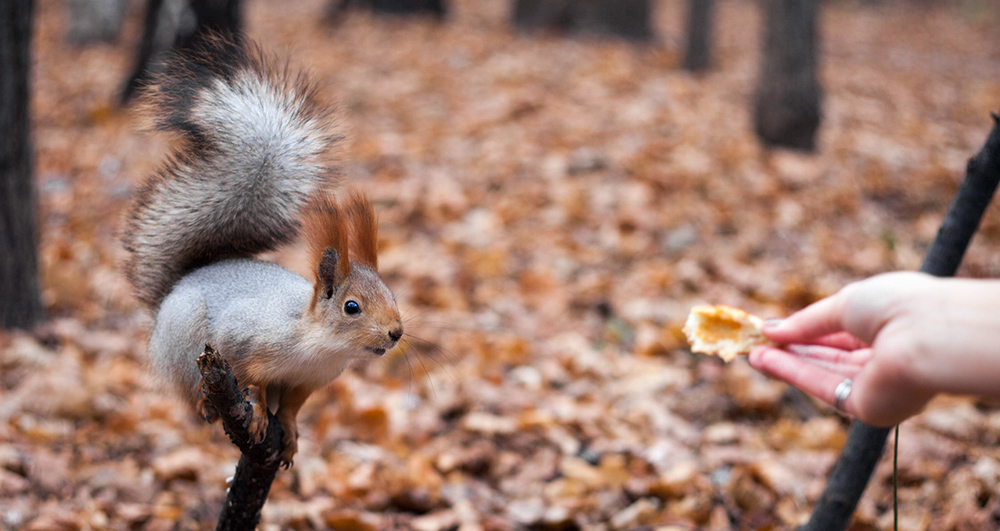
349, 228
364, 229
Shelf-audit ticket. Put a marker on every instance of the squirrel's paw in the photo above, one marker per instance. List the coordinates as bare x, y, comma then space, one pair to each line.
207, 411
291, 446
290, 442
257, 426
205, 408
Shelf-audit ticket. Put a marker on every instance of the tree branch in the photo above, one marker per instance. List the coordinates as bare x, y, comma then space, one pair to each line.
865, 443
259, 463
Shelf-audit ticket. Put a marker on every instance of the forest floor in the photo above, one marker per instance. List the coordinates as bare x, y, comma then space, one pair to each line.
550, 210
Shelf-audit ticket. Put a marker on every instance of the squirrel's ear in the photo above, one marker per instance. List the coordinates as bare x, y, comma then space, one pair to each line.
332, 270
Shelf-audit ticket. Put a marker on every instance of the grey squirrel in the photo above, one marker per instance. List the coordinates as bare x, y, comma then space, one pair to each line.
252, 170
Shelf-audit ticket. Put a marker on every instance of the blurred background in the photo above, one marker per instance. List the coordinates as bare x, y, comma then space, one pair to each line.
553, 199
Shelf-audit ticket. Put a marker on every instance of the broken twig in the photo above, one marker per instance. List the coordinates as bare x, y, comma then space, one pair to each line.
259, 463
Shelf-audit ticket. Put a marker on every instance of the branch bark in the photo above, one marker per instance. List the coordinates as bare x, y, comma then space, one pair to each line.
259, 463
865, 443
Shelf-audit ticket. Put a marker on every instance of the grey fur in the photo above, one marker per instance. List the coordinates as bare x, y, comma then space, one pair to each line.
238, 306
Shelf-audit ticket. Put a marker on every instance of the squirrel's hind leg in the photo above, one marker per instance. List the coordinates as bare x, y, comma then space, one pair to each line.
257, 396
205, 408
289, 403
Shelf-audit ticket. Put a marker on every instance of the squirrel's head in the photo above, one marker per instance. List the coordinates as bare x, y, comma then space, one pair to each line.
349, 296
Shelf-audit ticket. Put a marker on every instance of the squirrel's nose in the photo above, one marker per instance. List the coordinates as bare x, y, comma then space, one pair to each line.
395, 334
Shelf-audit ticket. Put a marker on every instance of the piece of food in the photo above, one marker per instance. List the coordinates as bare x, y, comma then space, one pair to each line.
723, 331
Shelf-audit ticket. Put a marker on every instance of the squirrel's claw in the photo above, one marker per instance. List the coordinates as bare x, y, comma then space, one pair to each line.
257, 425
205, 408
207, 411
291, 446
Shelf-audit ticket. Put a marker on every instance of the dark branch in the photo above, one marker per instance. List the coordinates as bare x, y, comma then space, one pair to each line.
259, 463
865, 443
981, 177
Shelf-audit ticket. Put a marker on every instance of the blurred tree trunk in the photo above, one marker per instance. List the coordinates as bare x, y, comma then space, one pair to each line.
630, 19
20, 300
337, 8
698, 56
93, 21
179, 25
787, 106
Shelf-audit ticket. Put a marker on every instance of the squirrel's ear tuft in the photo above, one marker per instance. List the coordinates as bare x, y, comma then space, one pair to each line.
331, 271
364, 229
326, 230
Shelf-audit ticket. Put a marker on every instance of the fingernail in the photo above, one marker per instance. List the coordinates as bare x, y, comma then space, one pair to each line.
773, 322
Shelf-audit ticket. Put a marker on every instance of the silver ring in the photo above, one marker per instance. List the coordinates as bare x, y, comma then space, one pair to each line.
841, 393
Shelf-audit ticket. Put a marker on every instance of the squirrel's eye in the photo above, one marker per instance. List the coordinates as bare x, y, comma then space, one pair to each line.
351, 308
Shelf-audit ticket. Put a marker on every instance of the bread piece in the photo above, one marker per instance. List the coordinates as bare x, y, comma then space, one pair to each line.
723, 331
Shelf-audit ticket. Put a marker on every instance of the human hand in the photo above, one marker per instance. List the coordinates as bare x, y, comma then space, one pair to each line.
899, 337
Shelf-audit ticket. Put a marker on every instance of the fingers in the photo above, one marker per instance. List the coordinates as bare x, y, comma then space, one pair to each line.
876, 397
861, 309
841, 341
830, 341
882, 400
823, 318
832, 356
818, 381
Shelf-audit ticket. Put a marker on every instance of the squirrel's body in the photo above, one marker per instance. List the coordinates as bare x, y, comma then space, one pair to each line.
245, 295
252, 172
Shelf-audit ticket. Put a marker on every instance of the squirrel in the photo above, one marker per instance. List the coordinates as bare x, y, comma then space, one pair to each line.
251, 171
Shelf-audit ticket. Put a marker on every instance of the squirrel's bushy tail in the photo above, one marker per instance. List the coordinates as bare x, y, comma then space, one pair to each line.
254, 149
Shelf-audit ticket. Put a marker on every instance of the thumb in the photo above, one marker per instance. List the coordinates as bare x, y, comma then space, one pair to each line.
815, 321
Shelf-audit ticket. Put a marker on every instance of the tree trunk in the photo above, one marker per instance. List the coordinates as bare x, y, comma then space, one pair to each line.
20, 300
93, 21
535, 15
337, 8
630, 19
213, 16
787, 107
698, 56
